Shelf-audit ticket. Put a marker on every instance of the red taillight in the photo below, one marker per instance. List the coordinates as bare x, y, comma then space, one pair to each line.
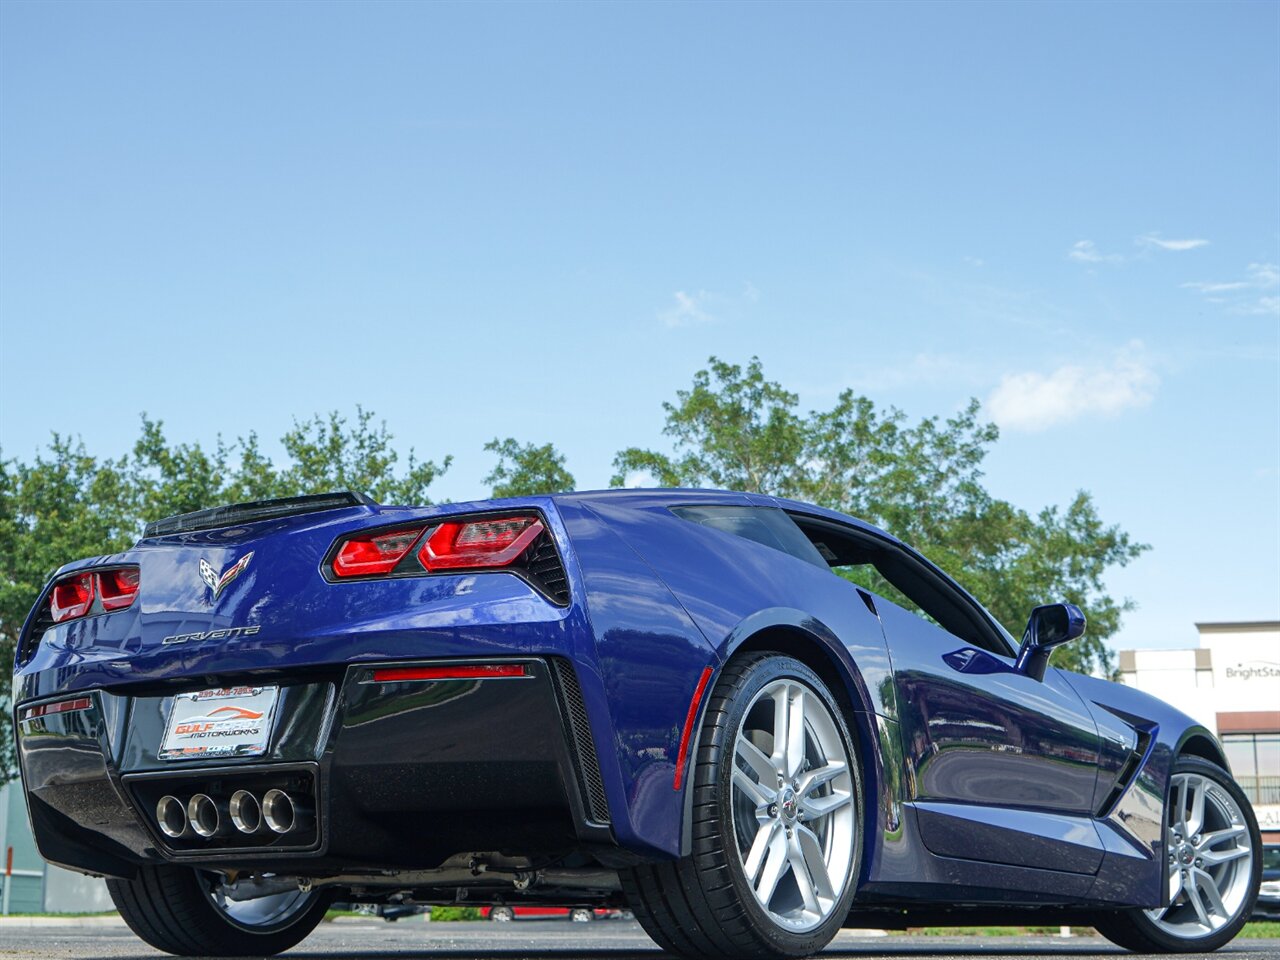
71, 597
61, 706
492, 542
374, 555
466, 671
118, 588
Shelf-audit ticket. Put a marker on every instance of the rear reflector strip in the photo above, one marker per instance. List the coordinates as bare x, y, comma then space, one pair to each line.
689, 719
471, 671
60, 706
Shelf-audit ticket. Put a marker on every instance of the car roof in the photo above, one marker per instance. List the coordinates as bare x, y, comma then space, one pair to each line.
674, 496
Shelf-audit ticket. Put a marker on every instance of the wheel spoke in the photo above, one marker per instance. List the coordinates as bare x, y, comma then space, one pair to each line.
1193, 895
1205, 884
819, 807
1180, 805
1215, 857
1175, 888
815, 862
1195, 820
754, 757
759, 847
815, 778
795, 736
775, 865
804, 879
781, 718
756, 792
1209, 840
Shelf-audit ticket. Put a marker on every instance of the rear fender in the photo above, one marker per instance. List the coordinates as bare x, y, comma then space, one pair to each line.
796, 634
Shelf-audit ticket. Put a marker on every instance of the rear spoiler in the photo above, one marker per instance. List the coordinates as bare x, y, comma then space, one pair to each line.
238, 513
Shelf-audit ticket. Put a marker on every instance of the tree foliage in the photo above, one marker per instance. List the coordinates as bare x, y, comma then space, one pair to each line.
920, 481
67, 504
523, 469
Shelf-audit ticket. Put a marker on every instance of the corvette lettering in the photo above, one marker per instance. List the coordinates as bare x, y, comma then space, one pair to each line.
230, 633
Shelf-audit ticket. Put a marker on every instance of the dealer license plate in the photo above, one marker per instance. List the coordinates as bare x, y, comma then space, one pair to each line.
228, 722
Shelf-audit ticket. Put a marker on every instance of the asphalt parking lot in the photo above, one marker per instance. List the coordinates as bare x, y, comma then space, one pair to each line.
557, 940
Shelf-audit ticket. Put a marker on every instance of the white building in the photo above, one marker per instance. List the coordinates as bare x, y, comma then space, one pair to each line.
1231, 684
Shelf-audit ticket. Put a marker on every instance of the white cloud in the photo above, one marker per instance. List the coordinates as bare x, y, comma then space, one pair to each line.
689, 308
1264, 305
1086, 251
1155, 240
1264, 275
1204, 287
1035, 401
1258, 277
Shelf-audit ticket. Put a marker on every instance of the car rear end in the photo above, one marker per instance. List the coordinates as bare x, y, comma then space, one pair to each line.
319, 686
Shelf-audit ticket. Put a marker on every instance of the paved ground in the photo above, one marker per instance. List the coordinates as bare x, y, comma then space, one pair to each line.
560, 940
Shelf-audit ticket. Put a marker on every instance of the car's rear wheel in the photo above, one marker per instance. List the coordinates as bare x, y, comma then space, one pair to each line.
186, 912
502, 914
1213, 864
777, 814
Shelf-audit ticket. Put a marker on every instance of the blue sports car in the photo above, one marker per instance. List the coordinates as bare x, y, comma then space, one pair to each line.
751, 721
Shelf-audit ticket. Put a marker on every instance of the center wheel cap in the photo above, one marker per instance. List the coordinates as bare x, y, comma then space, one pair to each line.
788, 805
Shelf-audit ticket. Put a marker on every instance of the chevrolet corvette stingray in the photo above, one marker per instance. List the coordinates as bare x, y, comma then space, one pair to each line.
749, 720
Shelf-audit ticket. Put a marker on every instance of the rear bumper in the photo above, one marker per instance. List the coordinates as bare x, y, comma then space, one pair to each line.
392, 775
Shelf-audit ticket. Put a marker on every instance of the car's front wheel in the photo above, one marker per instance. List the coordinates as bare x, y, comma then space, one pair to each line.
187, 912
1213, 863
777, 813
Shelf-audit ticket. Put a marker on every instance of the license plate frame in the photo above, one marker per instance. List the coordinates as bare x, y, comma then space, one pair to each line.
220, 723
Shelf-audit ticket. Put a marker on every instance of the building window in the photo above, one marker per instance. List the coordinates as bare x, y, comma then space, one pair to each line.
1255, 761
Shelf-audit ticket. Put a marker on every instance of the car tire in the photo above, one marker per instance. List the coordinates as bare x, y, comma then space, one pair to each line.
174, 909
1156, 931
580, 915
501, 914
705, 905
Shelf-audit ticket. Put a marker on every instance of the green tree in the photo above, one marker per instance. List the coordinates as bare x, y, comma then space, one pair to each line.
920, 481
67, 505
523, 469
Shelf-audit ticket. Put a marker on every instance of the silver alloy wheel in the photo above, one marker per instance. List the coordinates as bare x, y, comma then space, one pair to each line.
1210, 858
261, 914
793, 805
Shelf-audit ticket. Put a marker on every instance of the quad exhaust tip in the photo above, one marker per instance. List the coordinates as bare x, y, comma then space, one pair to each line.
171, 814
205, 816
245, 811
278, 811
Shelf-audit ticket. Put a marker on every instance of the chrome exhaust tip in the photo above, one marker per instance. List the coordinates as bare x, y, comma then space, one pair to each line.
206, 816
278, 811
245, 812
171, 815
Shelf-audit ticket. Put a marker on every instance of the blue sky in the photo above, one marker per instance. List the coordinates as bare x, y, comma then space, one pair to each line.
539, 221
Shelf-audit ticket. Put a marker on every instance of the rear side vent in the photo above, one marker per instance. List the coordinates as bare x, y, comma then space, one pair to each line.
541, 564
584, 750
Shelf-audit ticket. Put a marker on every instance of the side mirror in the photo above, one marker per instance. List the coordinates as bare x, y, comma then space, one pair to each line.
1049, 626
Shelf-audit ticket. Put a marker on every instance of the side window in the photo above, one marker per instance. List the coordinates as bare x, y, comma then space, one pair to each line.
766, 525
894, 574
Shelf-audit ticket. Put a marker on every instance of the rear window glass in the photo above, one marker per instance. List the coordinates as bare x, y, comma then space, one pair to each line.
766, 525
